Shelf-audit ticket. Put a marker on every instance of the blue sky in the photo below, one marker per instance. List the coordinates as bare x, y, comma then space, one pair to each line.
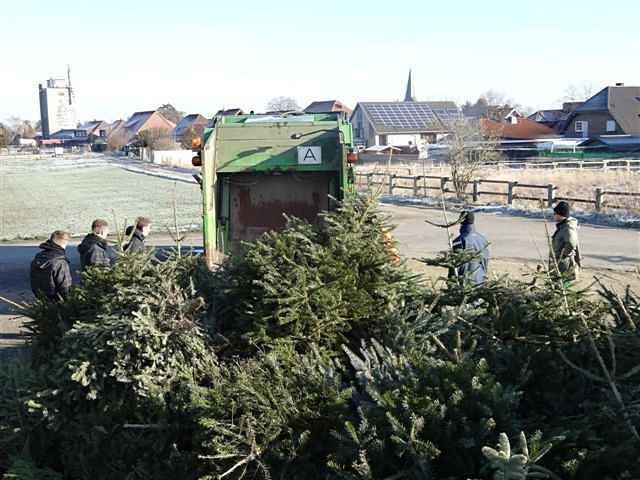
199, 56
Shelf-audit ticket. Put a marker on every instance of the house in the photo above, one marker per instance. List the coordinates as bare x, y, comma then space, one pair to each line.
409, 123
71, 136
556, 118
402, 123
139, 122
192, 124
96, 128
516, 128
328, 106
229, 112
549, 118
612, 111
114, 125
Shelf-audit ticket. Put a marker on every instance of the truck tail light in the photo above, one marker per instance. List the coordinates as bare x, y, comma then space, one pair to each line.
352, 157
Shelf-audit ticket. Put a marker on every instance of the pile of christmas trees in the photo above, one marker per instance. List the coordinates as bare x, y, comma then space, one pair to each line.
316, 355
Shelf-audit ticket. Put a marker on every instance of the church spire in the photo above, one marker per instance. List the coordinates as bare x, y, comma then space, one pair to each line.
408, 96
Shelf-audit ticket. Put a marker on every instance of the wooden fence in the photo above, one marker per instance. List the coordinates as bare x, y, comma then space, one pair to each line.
420, 185
399, 161
594, 164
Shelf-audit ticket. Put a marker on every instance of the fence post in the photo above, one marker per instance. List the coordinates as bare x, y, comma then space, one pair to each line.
416, 188
369, 176
391, 177
550, 195
443, 183
512, 185
476, 190
628, 162
599, 198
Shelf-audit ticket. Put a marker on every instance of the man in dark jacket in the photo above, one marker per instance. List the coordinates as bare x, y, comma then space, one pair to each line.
138, 236
94, 249
476, 270
50, 270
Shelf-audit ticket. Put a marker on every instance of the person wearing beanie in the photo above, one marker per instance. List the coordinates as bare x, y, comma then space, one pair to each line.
474, 271
565, 258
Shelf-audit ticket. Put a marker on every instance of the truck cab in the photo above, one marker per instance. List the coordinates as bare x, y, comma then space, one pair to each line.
258, 168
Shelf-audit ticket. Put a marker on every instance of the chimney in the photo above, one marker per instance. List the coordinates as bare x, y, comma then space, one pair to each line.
619, 84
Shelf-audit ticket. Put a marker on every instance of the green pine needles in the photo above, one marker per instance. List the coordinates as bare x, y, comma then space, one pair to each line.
314, 355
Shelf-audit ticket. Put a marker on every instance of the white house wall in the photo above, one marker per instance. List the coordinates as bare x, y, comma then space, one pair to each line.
403, 140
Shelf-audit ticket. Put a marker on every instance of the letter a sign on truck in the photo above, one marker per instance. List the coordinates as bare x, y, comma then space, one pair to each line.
308, 155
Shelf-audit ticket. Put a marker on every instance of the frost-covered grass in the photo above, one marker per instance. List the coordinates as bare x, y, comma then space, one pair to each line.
39, 196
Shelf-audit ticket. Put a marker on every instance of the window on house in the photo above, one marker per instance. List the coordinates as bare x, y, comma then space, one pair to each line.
581, 126
611, 125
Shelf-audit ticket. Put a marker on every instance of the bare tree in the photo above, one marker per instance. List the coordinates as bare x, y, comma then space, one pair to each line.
6, 135
21, 128
494, 97
577, 92
169, 112
469, 149
156, 139
489, 101
283, 104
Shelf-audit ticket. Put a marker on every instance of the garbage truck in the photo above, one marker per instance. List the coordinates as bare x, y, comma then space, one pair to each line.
255, 169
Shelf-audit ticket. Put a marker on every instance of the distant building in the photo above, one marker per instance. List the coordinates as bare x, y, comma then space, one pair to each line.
194, 123
96, 128
556, 118
516, 128
142, 121
403, 124
328, 106
612, 111
71, 137
57, 108
409, 94
229, 112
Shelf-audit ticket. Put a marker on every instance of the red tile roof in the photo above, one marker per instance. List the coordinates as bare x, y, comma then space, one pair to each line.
524, 129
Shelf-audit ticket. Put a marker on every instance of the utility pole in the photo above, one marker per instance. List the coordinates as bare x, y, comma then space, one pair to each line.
69, 89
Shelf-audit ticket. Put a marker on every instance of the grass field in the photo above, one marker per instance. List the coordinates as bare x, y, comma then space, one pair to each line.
39, 196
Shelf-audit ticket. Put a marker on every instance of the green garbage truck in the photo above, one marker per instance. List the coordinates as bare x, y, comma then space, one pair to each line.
257, 168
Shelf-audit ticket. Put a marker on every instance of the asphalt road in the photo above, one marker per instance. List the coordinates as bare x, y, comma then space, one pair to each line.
515, 242
515, 238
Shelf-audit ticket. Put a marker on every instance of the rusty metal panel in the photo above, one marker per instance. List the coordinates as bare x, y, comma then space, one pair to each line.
258, 201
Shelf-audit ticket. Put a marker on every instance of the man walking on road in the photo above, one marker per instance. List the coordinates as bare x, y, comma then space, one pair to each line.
474, 271
138, 236
565, 253
50, 270
94, 249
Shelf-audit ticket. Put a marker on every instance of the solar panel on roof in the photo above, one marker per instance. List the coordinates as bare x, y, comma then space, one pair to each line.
410, 116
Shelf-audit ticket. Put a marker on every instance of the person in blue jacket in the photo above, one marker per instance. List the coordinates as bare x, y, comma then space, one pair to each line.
476, 270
